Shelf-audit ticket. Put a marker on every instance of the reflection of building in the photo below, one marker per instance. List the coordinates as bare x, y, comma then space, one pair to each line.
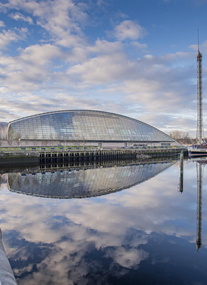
6, 273
88, 127
83, 183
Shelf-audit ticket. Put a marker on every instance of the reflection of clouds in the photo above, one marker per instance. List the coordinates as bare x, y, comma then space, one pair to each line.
3, 181
64, 267
74, 237
128, 258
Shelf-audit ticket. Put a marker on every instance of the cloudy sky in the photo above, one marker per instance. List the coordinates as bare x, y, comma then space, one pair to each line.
136, 58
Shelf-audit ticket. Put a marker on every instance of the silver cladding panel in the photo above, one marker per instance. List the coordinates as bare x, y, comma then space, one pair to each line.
83, 125
82, 184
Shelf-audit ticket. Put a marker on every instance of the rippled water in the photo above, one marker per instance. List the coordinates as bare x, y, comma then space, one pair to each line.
143, 234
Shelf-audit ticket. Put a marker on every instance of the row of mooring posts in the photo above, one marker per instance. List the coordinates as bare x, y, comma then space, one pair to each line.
52, 157
98, 155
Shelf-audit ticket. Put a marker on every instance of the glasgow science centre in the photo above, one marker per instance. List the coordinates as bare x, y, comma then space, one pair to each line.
86, 127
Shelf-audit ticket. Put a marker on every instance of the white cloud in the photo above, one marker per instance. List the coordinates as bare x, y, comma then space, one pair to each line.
19, 16
105, 47
129, 30
101, 69
2, 24
202, 47
139, 46
41, 54
62, 19
6, 37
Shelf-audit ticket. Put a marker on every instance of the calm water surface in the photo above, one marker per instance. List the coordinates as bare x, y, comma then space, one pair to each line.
86, 229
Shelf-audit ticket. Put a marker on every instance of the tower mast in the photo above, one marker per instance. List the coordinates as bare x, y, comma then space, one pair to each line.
199, 134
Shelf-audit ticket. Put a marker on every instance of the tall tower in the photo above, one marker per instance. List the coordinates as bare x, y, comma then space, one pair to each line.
199, 135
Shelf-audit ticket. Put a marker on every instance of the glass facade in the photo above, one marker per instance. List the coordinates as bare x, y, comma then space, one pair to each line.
82, 184
84, 125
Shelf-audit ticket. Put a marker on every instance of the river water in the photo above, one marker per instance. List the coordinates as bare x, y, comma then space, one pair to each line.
126, 224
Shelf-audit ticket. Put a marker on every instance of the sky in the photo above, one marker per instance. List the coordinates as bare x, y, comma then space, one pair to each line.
136, 58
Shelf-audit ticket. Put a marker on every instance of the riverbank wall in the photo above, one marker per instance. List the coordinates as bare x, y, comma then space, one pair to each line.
44, 157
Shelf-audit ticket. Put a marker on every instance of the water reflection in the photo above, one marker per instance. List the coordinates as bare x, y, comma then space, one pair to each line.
82, 183
142, 235
200, 168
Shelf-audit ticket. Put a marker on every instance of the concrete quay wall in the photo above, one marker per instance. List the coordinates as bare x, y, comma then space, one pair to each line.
98, 155
88, 155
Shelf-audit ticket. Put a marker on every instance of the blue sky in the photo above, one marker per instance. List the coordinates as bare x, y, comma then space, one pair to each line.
136, 58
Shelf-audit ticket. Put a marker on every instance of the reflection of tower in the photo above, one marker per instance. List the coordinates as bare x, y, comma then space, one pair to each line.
181, 172
199, 135
199, 204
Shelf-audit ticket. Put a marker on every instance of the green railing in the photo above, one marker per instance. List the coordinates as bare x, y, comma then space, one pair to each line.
76, 148
46, 148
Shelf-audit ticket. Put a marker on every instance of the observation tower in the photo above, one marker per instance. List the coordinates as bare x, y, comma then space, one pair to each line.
201, 148
200, 132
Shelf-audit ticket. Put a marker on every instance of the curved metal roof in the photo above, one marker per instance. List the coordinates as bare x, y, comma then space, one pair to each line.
84, 110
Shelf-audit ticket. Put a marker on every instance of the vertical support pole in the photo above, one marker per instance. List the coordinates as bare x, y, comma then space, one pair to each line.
94, 155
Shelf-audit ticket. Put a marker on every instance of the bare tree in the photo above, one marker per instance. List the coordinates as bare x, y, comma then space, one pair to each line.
45, 140
58, 137
176, 135
35, 142
26, 139
18, 138
51, 139
181, 137
2, 133
10, 141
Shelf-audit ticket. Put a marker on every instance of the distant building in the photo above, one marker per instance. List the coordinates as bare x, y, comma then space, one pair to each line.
86, 127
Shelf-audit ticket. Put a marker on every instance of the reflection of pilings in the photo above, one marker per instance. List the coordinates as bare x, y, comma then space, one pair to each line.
6, 273
181, 171
199, 205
